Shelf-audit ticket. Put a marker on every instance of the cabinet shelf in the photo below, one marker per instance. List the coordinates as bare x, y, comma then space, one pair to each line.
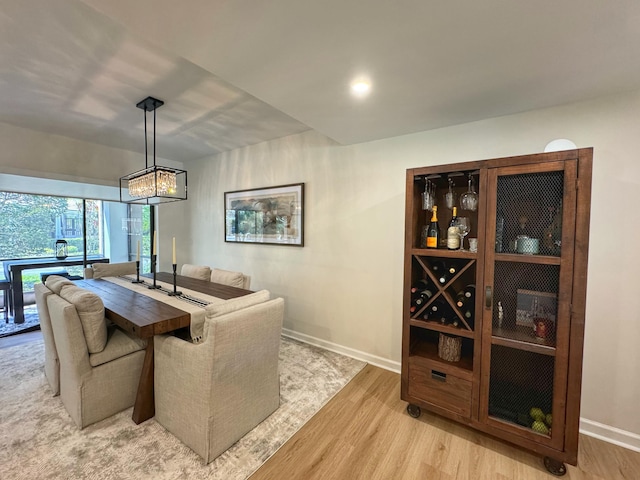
444, 253
429, 351
438, 327
516, 257
522, 339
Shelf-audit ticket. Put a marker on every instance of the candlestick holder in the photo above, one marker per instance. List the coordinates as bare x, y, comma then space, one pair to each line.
175, 293
154, 259
137, 280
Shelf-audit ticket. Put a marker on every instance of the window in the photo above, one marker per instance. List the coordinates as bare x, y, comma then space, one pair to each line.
31, 224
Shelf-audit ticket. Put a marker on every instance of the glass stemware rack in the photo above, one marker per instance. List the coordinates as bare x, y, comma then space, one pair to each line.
493, 338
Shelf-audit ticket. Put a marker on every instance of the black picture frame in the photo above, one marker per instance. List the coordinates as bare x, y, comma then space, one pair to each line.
268, 215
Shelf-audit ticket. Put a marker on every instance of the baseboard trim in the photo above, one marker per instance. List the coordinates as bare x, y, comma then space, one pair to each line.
609, 434
349, 352
603, 432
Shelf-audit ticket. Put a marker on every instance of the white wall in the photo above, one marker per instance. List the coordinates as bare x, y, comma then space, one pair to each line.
345, 285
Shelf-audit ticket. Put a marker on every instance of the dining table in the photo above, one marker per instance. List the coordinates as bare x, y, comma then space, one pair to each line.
15, 267
145, 316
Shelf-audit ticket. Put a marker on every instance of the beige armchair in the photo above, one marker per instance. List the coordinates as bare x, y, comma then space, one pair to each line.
211, 394
99, 366
51, 362
233, 279
201, 272
99, 270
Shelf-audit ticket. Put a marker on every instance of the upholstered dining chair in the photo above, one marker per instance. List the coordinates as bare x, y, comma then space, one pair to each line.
99, 270
51, 361
201, 272
212, 393
99, 366
233, 279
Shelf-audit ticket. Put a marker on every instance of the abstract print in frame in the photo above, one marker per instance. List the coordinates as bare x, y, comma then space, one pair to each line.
271, 215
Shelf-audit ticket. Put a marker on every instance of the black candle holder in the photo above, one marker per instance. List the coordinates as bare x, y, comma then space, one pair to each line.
175, 293
154, 259
137, 280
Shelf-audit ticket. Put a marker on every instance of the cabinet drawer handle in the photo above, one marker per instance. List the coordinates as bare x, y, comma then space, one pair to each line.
488, 297
441, 377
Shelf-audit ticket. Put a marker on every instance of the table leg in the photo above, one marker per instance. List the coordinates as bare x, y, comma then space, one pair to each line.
18, 298
145, 406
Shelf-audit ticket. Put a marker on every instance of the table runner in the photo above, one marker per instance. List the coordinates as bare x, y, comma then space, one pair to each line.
191, 301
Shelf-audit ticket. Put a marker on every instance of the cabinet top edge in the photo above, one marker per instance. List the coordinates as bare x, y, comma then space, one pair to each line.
562, 155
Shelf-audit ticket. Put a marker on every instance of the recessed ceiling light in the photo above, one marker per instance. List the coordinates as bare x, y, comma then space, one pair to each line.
361, 88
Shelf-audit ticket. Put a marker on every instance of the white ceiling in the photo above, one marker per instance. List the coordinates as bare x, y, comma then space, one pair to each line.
239, 72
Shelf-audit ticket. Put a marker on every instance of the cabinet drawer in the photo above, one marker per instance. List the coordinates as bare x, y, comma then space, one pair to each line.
444, 390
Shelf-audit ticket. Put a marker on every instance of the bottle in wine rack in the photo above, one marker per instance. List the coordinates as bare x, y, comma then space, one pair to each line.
433, 232
470, 291
421, 284
438, 311
466, 296
453, 232
437, 267
422, 297
448, 271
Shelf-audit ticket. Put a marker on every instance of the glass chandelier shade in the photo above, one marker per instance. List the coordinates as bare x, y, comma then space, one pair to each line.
154, 184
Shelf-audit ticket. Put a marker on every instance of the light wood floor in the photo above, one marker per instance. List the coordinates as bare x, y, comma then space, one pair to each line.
364, 432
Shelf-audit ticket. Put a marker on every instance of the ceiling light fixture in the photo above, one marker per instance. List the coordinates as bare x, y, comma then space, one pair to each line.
361, 88
155, 184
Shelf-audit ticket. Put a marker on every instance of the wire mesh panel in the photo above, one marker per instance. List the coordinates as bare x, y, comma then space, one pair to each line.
529, 213
525, 301
521, 388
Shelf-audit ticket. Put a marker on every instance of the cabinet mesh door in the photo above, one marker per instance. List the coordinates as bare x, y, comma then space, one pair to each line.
529, 213
525, 292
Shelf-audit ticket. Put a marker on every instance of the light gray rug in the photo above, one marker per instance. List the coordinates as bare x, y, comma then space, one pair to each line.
38, 439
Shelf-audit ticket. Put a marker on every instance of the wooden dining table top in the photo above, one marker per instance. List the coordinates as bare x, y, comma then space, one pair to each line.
144, 316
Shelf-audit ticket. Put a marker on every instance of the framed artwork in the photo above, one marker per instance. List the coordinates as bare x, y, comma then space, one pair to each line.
271, 215
532, 304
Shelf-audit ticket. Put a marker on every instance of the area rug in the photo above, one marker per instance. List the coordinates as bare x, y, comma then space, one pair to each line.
39, 440
31, 322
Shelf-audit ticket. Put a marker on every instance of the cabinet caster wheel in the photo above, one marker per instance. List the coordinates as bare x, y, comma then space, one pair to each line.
555, 467
413, 410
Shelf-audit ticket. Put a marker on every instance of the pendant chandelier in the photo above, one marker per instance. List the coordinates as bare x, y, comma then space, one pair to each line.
154, 184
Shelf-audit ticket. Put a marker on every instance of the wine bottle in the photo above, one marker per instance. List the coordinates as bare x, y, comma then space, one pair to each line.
421, 284
436, 267
461, 299
433, 232
448, 271
453, 232
470, 291
466, 296
437, 311
422, 297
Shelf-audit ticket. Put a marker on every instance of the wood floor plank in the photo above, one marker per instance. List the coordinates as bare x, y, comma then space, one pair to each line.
364, 432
